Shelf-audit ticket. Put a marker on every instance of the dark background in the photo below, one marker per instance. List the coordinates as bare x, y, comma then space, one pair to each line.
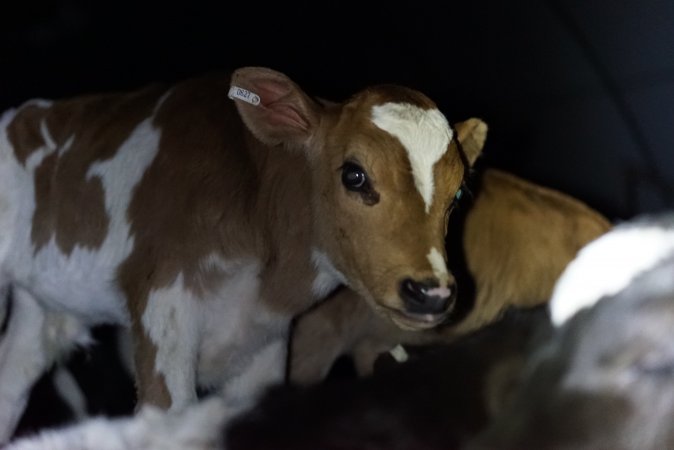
579, 94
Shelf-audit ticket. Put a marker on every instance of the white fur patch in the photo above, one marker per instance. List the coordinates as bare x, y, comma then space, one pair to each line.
606, 266
128, 165
7, 206
170, 321
439, 266
199, 427
46, 135
327, 278
230, 320
67, 145
35, 158
23, 358
227, 340
242, 348
425, 134
80, 282
39, 102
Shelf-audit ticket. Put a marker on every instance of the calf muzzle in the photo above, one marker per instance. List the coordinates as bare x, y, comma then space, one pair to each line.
426, 297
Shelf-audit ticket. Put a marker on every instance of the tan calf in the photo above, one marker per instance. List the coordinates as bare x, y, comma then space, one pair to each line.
518, 238
205, 223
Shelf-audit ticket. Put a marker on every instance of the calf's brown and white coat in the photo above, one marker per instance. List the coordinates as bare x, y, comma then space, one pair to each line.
204, 224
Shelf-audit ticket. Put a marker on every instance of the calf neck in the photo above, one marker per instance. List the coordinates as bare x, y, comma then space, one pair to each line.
204, 223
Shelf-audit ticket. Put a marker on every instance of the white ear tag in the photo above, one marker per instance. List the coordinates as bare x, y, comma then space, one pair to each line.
243, 94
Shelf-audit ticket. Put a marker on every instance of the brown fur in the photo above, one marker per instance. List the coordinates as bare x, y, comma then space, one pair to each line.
344, 132
150, 385
98, 125
395, 215
24, 131
518, 238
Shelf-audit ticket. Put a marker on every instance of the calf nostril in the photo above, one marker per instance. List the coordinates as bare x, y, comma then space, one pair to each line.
425, 297
410, 287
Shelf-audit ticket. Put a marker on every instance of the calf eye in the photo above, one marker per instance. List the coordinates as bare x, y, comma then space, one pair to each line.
353, 177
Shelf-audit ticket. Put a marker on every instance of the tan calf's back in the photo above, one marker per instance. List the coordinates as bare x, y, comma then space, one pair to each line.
518, 238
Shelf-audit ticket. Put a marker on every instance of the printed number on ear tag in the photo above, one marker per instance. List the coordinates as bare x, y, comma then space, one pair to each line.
243, 94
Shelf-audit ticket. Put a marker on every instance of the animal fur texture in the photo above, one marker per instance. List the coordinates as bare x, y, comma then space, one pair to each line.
517, 239
205, 215
605, 377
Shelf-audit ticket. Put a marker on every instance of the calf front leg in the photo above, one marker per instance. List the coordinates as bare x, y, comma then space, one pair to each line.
150, 384
315, 346
326, 332
265, 368
165, 349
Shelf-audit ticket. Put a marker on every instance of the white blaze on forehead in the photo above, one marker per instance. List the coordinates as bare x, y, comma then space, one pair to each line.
606, 266
425, 134
439, 267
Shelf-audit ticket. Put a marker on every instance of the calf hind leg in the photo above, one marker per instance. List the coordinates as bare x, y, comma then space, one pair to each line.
31, 342
22, 358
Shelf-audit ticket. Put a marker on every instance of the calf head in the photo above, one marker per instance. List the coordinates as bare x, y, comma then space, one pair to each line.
385, 168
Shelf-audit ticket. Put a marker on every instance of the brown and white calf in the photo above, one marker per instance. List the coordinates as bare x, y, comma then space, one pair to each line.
517, 239
205, 224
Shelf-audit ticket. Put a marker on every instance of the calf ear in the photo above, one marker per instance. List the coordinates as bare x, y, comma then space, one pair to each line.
472, 134
273, 107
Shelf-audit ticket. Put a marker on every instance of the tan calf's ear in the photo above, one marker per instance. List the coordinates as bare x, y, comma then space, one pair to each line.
472, 134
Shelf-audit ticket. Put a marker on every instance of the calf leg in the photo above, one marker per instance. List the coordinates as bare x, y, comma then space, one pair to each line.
264, 369
71, 393
150, 384
23, 359
325, 333
165, 349
365, 353
314, 349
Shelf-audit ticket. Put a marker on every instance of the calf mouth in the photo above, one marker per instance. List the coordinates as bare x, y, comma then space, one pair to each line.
416, 321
